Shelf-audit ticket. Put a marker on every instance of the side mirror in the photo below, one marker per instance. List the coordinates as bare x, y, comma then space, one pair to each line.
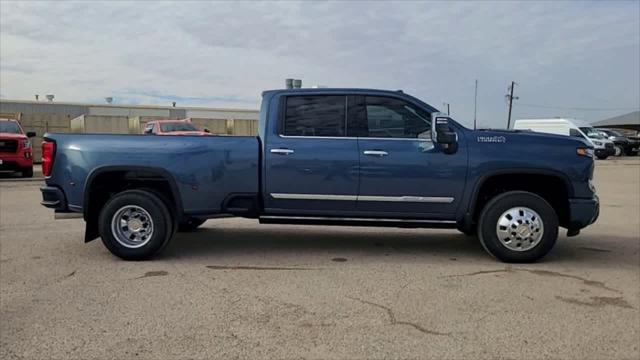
31, 134
443, 135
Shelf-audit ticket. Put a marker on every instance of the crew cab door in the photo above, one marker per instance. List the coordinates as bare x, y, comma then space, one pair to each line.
402, 170
311, 167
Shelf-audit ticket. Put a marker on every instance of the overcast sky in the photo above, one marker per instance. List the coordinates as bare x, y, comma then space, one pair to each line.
578, 57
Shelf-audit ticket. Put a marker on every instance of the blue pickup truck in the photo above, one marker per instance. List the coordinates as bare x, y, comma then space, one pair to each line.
328, 156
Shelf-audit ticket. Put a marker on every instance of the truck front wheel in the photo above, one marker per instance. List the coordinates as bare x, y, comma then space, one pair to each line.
135, 225
518, 227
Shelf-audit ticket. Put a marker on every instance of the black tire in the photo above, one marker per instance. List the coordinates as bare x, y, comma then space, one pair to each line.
496, 207
160, 217
602, 157
27, 172
190, 224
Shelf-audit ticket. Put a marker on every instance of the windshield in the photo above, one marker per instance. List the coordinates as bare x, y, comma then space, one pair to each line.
613, 133
9, 127
592, 133
177, 126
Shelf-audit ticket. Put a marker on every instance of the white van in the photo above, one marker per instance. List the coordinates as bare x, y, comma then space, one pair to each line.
603, 147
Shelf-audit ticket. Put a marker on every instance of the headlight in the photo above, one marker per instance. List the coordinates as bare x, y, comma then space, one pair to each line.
588, 152
26, 144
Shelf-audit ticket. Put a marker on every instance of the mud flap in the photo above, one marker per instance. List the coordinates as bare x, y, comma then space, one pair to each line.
91, 229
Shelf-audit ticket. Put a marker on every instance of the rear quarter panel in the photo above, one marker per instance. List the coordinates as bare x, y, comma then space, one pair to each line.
204, 169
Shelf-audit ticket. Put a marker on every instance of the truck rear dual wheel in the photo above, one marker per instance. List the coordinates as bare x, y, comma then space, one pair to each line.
135, 225
518, 227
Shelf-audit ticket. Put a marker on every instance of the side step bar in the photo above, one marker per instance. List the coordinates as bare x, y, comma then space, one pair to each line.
403, 223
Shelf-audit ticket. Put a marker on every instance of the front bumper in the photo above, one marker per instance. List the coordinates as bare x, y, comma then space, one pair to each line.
16, 161
583, 212
604, 152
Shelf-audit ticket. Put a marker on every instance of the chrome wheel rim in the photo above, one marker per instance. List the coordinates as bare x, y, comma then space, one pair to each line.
520, 229
132, 226
618, 151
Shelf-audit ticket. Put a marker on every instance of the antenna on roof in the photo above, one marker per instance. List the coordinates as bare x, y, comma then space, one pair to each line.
37, 96
50, 97
109, 100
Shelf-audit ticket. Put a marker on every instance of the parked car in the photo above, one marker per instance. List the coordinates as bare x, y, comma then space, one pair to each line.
173, 127
624, 144
15, 148
570, 127
334, 157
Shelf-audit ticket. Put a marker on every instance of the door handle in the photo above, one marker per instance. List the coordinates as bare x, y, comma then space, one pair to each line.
282, 151
375, 153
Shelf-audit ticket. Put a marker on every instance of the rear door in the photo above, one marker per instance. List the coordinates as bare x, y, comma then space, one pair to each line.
311, 165
402, 171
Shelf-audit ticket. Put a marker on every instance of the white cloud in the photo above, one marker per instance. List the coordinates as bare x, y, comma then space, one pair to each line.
574, 54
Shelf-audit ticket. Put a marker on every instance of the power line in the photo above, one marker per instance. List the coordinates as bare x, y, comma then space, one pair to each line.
576, 108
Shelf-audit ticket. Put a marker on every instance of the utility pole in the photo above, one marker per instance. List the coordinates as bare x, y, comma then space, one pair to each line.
475, 106
510, 97
448, 109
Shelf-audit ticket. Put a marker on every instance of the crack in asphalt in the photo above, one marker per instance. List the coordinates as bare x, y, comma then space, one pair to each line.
585, 281
598, 301
153, 273
394, 321
240, 267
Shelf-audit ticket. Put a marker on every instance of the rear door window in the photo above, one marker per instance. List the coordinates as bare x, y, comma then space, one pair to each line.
317, 115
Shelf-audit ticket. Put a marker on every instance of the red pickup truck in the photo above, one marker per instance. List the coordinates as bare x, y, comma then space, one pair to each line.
173, 127
15, 148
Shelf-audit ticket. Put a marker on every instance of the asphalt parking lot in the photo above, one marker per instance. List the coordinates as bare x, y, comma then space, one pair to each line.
236, 289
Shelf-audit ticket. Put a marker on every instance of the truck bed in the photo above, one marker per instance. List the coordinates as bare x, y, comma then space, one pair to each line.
204, 169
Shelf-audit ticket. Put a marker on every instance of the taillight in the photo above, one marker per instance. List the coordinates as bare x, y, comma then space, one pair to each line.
48, 151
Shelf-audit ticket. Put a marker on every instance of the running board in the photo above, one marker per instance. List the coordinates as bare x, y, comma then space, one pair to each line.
403, 223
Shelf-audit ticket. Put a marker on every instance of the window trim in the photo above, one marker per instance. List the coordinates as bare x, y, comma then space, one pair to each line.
283, 108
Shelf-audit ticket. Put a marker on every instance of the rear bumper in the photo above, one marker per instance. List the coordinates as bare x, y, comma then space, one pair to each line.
53, 198
583, 212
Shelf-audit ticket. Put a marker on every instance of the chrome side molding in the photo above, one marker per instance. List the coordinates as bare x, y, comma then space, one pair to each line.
314, 197
418, 199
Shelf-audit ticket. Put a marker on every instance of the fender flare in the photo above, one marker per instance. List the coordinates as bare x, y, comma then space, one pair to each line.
473, 195
91, 230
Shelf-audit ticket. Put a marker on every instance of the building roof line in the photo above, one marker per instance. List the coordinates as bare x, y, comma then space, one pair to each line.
123, 106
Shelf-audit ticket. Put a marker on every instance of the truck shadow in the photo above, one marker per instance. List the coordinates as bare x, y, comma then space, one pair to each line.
298, 244
308, 242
